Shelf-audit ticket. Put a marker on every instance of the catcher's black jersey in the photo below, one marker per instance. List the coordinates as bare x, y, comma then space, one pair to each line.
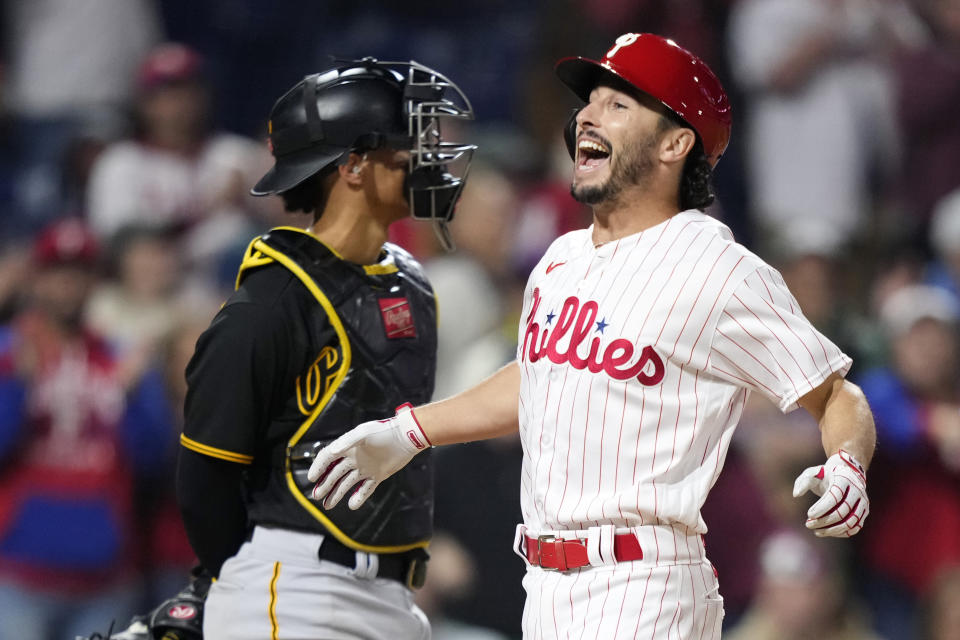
308, 346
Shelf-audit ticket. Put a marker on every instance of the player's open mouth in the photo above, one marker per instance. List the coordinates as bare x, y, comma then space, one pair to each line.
591, 154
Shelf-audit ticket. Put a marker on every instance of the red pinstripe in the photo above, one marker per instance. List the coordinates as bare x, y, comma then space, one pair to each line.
603, 607
603, 429
748, 381
566, 475
755, 358
643, 406
570, 595
674, 621
553, 453
660, 611
643, 261
583, 460
616, 473
727, 421
643, 289
536, 472
666, 281
696, 410
680, 290
775, 334
765, 286
653, 460
643, 601
693, 593
676, 425
586, 614
716, 463
709, 315
779, 278
623, 263
553, 606
656, 541
703, 627
790, 329
626, 590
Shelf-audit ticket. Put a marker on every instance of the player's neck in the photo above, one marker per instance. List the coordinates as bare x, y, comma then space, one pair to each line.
356, 237
629, 214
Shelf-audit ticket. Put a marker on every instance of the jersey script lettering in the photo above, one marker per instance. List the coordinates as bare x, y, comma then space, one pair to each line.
576, 319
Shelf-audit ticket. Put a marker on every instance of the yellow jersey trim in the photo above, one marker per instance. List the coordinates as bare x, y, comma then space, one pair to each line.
272, 611
341, 373
380, 269
251, 259
214, 452
370, 269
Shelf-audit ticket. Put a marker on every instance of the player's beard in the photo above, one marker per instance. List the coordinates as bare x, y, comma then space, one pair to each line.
631, 166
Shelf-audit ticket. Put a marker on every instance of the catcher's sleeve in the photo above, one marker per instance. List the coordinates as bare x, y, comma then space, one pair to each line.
211, 503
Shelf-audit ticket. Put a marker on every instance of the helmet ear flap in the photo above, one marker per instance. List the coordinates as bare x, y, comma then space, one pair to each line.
570, 134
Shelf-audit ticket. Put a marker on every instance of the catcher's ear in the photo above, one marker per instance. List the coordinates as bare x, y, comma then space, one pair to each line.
570, 134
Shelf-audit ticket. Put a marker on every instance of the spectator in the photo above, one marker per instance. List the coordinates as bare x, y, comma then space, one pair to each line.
451, 577
928, 89
820, 123
496, 599
740, 508
67, 69
138, 308
942, 612
471, 284
801, 595
71, 440
916, 475
167, 554
944, 269
825, 286
177, 172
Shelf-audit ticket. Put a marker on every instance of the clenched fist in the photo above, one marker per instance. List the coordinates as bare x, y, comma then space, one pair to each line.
844, 505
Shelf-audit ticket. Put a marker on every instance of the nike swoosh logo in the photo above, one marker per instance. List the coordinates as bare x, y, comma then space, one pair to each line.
554, 265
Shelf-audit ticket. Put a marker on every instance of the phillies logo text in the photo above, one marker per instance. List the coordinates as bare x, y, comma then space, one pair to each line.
576, 320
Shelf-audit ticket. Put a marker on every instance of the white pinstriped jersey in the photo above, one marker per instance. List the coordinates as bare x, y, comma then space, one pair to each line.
636, 360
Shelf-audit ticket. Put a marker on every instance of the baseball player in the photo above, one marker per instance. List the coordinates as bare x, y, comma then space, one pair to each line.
329, 326
640, 340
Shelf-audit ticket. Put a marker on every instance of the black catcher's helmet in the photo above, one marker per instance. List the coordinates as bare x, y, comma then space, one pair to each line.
364, 105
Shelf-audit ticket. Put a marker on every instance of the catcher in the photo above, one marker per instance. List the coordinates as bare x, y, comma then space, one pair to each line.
329, 326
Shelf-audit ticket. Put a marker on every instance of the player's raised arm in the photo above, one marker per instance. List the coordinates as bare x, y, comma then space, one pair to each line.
373, 451
849, 438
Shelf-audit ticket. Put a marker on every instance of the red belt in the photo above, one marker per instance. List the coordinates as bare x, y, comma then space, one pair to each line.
559, 554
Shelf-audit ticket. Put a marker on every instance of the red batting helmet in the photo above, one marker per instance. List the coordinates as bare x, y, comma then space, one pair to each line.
671, 74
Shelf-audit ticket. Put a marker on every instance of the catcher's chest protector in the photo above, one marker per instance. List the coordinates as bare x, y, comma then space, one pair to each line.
385, 320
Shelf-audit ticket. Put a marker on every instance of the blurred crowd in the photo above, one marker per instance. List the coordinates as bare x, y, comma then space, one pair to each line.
131, 131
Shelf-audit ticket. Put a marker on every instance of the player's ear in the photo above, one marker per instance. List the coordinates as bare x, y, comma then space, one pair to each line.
352, 170
676, 144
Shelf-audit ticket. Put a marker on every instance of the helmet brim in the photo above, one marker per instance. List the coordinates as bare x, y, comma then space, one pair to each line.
290, 170
581, 75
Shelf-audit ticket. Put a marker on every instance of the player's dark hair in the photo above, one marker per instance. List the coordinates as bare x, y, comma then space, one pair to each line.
308, 196
695, 189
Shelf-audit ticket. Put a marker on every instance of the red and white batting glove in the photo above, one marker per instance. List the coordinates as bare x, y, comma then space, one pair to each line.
844, 505
366, 455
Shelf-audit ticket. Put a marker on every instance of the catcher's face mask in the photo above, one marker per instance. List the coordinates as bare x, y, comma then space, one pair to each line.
438, 169
363, 105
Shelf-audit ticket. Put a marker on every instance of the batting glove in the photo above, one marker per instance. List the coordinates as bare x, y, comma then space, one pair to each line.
366, 455
844, 505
